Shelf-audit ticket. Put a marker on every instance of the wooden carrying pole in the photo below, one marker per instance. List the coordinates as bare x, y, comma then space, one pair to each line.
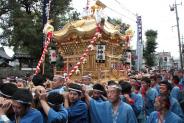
43, 63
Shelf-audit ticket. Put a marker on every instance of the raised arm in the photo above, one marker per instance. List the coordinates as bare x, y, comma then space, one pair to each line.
6, 104
42, 98
87, 97
66, 103
104, 98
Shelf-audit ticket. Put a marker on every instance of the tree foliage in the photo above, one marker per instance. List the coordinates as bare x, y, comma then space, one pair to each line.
116, 21
21, 22
150, 47
151, 33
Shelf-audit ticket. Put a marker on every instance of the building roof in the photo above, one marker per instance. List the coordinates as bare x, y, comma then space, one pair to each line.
85, 29
3, 54
163, 54
4, 63
21, 55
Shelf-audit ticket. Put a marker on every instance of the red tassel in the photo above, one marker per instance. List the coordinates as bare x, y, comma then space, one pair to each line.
131, 101
143, 91
128, 38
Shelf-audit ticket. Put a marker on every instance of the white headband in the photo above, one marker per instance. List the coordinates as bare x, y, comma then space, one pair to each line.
19, 79
115, 87
88, 76
20, 101
54, 104
4, 94
97, 90
59, 76
74, 89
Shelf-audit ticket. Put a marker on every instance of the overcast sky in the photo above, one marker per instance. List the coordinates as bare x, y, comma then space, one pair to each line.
155, 14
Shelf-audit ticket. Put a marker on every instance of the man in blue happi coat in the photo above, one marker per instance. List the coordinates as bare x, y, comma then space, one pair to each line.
159, 79
77, 109
162, 113
163, 72
149, 95
52, 105
135, 90
135, 101
21, 105
165, 89
180, 74
97, 92
154, 83
86, 79
112, 111
177, 89
58, 84
96, 95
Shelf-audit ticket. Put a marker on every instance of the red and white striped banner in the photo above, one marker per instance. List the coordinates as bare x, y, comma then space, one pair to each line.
49, 36
81, 59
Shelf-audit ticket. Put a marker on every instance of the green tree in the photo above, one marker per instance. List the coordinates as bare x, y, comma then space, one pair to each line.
116, 21
150, 48
22, 24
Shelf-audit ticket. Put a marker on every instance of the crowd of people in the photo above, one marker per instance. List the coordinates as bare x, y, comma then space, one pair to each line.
153, 97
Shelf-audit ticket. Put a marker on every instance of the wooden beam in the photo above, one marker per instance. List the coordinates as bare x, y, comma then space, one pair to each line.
109, 67
82, 68
67, 66
117, 68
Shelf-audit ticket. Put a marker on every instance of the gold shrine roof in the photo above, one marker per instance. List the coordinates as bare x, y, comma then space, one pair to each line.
85, 29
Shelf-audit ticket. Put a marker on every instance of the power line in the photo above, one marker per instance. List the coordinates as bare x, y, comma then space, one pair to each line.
123, 7
121, 14
126, 16
143, 28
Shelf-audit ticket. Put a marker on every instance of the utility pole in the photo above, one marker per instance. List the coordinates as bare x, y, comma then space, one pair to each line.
177, 19
182, 49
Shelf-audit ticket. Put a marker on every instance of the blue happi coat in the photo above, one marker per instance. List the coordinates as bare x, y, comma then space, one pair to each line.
137, 105
170, 117
92, 118
157, 88
32, 116
150, 100
99, 100
181, 82
176, 93
141, 118
104, 112
78, 113
176, 108
60, 116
